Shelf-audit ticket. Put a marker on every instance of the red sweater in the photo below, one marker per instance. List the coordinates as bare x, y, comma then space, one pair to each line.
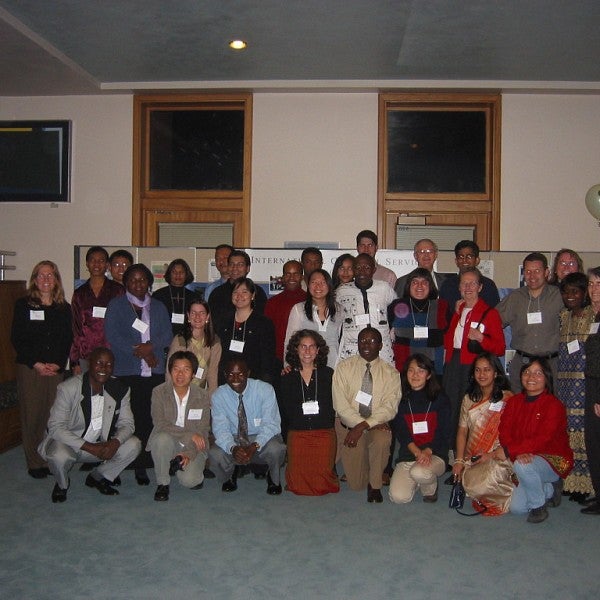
493, 336
538, 427
278, 310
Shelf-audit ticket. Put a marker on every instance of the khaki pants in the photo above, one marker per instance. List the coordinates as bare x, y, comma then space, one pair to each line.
365, 463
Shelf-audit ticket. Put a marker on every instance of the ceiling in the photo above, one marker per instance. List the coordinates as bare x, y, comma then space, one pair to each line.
108, 46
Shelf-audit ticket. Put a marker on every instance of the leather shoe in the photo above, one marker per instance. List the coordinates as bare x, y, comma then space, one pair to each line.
273, 489
142, 477
589, 500
162, 493
117, 481
556, 499
229, 486
103, 486
58, 494
198, 487
208, 474
40, 473
592, 509
374, 495
537, 515
431, 498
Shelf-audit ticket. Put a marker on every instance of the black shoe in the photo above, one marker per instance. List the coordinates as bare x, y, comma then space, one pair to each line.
117, 481
40, 473
162, 493
229, 486
374, 495
592, 509
103, 486
273, 489
579, 497
589, 500
198, 487
208, 474
142, 477
556, 499
431, 498
537, 515
58, 494
175, 465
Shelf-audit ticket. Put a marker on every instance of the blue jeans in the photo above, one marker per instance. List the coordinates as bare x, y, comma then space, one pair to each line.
535, 485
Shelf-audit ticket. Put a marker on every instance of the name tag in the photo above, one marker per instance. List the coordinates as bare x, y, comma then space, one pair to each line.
322, 326
363, 398
257, 422
534, 318
497, 406
99, 312
420, 333
573, 346
362, 319
195, 414
479, 326
200, 373
140, 326
420, 427
236, 346
177, 318
594, 328
310, 408
36, 315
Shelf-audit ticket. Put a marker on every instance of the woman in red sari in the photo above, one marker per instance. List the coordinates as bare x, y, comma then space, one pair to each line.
307, 413
485, 478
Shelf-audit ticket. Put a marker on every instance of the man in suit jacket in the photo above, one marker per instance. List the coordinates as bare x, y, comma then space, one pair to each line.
90, 421
425, 252
181, 417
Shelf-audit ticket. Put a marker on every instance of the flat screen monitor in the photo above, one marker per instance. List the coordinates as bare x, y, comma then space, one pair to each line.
35, 161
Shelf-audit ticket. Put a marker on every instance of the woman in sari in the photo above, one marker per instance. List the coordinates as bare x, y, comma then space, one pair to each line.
485, 477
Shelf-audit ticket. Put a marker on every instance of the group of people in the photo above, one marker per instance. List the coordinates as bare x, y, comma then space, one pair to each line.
352, 376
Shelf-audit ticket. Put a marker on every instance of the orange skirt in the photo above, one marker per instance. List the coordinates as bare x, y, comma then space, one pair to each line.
311, 456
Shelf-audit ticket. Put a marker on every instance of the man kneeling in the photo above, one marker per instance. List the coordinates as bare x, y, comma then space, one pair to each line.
90, 421
181, 417
247, 427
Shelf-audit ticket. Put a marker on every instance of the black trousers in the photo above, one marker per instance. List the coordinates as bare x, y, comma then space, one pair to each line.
592, 430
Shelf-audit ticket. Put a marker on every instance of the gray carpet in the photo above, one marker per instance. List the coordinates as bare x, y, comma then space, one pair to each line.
207, 544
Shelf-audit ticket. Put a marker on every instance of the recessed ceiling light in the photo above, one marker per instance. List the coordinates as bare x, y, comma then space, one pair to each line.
237, 44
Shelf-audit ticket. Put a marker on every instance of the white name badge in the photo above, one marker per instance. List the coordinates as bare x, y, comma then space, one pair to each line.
236, 346
420, 333
257, 422
310, 408
594, 328
420, 427
322, 326
177, 318
497, 406
96, 424
99, 312
534, 318
573, 346
200, 373
36, 315
363, 398
362, 319
195, 414
479, 326
140, 326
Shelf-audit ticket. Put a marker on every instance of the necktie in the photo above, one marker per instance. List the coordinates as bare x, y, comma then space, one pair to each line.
242, 435
367, 388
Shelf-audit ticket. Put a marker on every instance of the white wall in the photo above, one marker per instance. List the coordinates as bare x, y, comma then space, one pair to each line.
314, 173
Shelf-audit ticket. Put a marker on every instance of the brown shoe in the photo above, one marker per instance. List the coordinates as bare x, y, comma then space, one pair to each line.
431, 498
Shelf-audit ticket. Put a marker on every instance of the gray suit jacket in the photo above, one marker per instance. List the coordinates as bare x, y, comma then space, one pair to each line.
164, 415
67, 422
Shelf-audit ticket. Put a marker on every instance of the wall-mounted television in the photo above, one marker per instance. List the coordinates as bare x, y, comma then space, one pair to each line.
35, 161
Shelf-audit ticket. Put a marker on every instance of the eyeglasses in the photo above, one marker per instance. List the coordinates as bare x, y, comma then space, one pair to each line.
45, 276
426, 251
567, 263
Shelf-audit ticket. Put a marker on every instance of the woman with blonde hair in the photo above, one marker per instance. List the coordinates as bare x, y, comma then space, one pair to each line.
41, 335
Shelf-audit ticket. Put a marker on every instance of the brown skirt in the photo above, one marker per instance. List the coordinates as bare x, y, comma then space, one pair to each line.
311, 456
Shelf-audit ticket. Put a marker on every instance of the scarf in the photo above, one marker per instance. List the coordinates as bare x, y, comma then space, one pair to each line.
145, 306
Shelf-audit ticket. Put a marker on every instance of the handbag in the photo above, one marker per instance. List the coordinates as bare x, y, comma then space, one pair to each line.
457, 496
474, 346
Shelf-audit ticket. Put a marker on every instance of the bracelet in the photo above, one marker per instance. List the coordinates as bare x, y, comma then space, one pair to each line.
460, 461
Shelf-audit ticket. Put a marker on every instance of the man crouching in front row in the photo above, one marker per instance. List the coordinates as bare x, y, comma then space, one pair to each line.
246, 426
90, 421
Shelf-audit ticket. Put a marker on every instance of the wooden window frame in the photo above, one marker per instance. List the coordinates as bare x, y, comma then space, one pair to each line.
479, 209
147, 205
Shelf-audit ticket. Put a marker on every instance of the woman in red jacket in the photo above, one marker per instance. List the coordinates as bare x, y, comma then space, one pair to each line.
533, 434
475, 327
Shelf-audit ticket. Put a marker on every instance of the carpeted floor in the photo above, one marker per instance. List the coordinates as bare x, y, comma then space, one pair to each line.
207, 544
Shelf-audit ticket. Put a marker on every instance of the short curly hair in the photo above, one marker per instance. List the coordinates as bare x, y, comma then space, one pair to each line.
291, 355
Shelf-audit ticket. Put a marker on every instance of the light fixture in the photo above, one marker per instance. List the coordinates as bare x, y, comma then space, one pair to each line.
592, 201
237, 44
